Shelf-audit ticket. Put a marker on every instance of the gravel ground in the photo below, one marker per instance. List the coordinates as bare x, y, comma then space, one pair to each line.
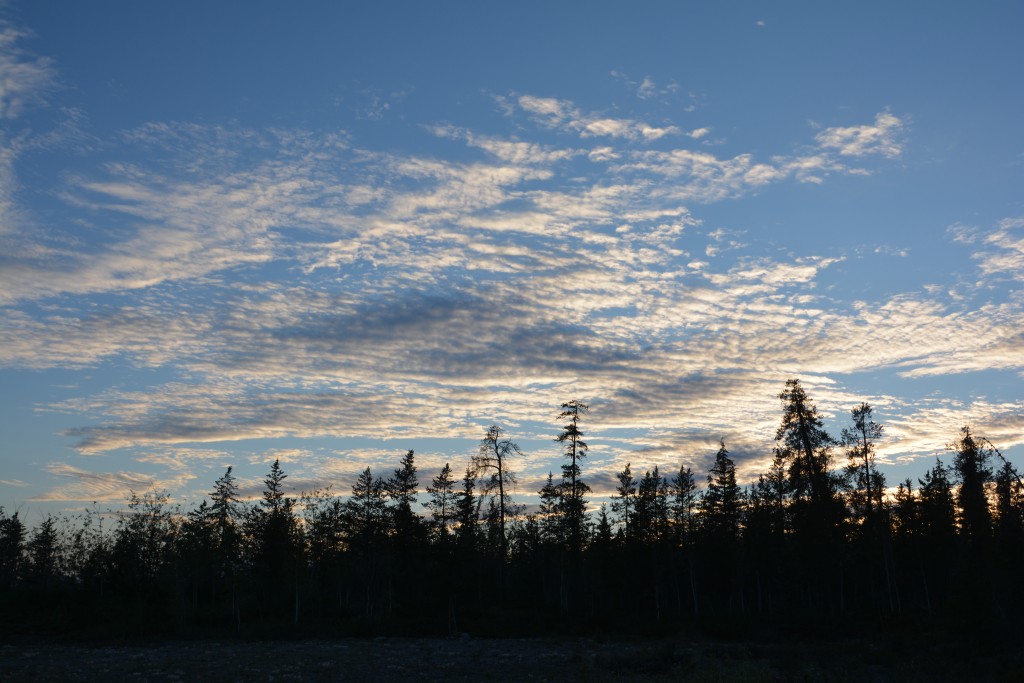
466, 659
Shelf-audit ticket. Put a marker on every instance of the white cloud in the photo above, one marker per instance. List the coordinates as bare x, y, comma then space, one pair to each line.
563, 115
24, 78
428, 296
883, 137
106, 487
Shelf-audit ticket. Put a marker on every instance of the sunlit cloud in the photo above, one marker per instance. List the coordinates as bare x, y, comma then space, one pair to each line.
106, 487
883, 137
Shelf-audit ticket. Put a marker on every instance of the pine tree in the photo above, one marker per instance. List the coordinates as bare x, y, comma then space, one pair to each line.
1009, 508
722, 500
467, 512
401, 489
278, 543
936, 512
553, 529
492, 457
365, 512
12, 546
973, 472
573, 502
43, 552
803, 443
683, 504
442, 503
860, 439
625, 503
225, 514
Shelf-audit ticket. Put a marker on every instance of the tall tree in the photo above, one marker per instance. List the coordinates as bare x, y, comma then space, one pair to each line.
401, 489
971, 464
651, 509
365, 512
467, 512
624, 504
573, 502
552, 527
683, 504
442, 503
803, 443
860, 439
801, 439
12, 546
225, 513
43, 551
492, 458
278, 545
722, 499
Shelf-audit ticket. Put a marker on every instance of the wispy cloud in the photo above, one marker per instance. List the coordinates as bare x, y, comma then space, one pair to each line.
105, 487
24, 78
564, 115
883, 137
295, 286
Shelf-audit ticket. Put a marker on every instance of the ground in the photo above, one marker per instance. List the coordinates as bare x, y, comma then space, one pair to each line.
470, 659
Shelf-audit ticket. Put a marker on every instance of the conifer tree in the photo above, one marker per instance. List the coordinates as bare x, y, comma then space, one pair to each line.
722, 499
493, 458
860, 439
12, 546
365, 512
44, 553
573, 501
442, 503
467, 512
971, 463
552, 527
401, 489
224, 513
683, 504
625, 503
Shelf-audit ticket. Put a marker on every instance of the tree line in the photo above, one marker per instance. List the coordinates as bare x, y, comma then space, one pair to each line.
815, 542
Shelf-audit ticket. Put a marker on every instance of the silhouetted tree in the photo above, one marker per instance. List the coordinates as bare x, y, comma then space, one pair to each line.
277, 543
44, 554
492, 457
467, 513
143, 541
683, 504
401, 489
553, 529
970, 462
860, 439
722, 500
624, 504
12, 546
573, 501
442, 504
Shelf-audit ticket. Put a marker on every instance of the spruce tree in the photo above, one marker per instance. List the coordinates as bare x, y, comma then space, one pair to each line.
442, 504
573, 502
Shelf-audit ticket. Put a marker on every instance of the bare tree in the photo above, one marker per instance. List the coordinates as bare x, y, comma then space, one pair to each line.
492, 458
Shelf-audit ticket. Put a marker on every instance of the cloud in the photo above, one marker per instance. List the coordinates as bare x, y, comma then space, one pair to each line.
883, 137
1005, 255
563, 115
24, 78
105, 486
291, 285
646, 88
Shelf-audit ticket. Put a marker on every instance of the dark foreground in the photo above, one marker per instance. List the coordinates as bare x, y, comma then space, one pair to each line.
665, 659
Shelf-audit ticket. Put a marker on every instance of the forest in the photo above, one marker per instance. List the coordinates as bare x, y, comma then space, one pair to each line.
818, 543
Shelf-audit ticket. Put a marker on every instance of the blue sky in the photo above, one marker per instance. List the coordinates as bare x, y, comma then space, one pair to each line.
330, 232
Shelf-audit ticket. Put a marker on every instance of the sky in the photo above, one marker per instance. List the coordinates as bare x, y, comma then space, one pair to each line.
328, 233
